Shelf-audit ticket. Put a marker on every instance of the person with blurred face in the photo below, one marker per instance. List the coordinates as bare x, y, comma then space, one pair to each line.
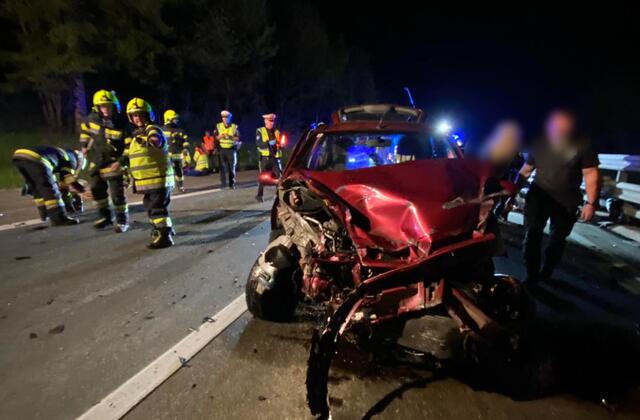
561, 161
269, 144
102, 141
227, 138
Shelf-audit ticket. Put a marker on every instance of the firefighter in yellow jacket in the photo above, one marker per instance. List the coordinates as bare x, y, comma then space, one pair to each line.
150, 165
269, 143
102, 141
178, 142
227, 138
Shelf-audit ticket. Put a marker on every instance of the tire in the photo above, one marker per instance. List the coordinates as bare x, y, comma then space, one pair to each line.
278, 303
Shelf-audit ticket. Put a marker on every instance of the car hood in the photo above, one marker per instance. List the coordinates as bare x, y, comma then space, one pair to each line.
403, 203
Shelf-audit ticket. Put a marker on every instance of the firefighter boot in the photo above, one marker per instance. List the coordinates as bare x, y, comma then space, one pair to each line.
122, 222
105, 218
59, 217
161, 238
42, 212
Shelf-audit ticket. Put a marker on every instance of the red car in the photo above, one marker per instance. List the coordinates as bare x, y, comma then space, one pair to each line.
381, 218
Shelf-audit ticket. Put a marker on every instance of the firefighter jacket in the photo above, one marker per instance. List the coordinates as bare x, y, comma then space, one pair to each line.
225, 136
268, 142
104, 141
177, 139
61, 162
149, 160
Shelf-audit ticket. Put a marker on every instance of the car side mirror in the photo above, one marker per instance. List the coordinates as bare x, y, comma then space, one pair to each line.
268, 178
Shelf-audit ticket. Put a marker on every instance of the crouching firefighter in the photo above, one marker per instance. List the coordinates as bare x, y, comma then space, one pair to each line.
39, 167
149, 162
269, 144
102, 140
178, 142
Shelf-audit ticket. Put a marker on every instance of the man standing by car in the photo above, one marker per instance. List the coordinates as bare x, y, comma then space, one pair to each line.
227, 143
268, 143
561, 162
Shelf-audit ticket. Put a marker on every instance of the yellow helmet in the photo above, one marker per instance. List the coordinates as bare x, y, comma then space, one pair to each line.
106, 97
138, 105
170, 115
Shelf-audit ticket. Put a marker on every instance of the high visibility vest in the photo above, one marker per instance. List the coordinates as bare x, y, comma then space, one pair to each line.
57, 160
263, 147
226, 135
150, 166
201, 159
105, 142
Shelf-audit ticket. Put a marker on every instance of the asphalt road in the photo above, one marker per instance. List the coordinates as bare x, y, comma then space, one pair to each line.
82, 311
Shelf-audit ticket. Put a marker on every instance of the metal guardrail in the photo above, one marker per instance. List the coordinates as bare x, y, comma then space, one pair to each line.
624, 167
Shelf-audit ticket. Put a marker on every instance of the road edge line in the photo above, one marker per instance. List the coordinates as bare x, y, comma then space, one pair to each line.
121, 400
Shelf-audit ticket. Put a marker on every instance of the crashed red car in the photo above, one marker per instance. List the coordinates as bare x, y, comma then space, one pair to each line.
381, 218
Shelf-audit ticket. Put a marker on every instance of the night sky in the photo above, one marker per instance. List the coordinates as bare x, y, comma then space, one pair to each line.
478, 64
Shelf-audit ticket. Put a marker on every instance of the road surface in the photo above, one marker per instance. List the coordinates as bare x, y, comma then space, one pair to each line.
83, 312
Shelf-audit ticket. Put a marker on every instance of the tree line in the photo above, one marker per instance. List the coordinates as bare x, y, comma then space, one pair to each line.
196, 56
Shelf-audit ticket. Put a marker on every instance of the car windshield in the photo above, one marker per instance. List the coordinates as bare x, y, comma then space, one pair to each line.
349, 151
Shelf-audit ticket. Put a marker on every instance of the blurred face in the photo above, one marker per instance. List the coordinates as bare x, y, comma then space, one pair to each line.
269, 124
105, 110
139, 120
559, 127
207, 133
226, 120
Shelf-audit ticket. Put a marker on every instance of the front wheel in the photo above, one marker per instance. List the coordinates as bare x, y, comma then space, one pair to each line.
272, 289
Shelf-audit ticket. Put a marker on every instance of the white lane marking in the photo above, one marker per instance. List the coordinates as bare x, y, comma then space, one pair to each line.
32, 222
118, 403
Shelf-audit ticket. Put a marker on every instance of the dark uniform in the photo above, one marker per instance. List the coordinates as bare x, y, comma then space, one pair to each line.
553, 196
39, 167
178, 141
104, 141
269, 147
226, 142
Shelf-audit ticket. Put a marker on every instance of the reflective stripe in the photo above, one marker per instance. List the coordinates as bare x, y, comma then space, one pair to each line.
33, 156
53, 203
162, 222
121, 208
150, 166
39, 201
264, 134
226, 142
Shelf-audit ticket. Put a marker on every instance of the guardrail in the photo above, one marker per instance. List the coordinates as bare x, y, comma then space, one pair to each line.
623, 182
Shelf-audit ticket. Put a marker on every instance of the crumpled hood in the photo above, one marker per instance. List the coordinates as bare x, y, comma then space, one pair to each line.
403, 202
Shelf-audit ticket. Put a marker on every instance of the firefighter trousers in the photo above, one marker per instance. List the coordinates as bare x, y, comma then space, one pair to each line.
112, 186
43, 186
156, 203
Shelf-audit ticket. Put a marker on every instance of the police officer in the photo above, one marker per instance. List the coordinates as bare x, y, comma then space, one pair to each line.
269, 144
39, 167
150, 165
102, 141
227, 142
178, 141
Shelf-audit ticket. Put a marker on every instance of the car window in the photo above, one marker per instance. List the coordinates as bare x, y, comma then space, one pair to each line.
349, 151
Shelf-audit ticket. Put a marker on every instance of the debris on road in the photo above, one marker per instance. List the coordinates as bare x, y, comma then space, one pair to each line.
24, 257
208, 319
57, 329
33, 335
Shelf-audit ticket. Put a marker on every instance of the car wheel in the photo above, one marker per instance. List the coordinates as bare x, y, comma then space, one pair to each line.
277, 301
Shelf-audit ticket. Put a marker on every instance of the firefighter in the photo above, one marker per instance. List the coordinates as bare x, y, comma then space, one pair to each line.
269, 144
150, 165
178, 142
39, 167
227, 143
102, 141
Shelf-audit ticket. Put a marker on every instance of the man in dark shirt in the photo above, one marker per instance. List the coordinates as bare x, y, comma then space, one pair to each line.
561, 162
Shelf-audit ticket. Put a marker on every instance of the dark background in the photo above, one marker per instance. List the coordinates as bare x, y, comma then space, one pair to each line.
471, 64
